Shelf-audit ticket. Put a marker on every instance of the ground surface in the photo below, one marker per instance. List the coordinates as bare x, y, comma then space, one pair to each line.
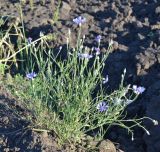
134, 25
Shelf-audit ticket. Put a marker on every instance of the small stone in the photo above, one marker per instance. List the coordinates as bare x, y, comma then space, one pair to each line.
106, 146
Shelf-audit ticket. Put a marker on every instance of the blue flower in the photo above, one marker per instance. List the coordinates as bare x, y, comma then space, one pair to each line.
97, 49
105, 80
31, 75
85, 55
29, 40
79, 20
98, 38
60, 48
102, 106
138, 90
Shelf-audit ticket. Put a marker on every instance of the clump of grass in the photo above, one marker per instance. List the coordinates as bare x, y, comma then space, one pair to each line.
13, 43
7, 48
61, 91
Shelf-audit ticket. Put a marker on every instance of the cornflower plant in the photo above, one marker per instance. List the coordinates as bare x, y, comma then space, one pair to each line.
64, 98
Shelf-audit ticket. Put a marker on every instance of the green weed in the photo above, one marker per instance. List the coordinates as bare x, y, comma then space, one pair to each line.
65, 90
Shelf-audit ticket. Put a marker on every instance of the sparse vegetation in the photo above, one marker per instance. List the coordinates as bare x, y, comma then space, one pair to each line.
66, 94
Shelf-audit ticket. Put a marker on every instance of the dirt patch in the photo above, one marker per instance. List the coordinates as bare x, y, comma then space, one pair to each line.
14, 132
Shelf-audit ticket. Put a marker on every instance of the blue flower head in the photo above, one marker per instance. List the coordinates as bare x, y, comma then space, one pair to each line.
102, 106
97, 49
138, 90
84, 55
98, 38
31, 75
79, 20
29, 40
105, 80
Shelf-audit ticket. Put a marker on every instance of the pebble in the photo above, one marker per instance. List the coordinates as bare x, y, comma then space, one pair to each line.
106, 146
